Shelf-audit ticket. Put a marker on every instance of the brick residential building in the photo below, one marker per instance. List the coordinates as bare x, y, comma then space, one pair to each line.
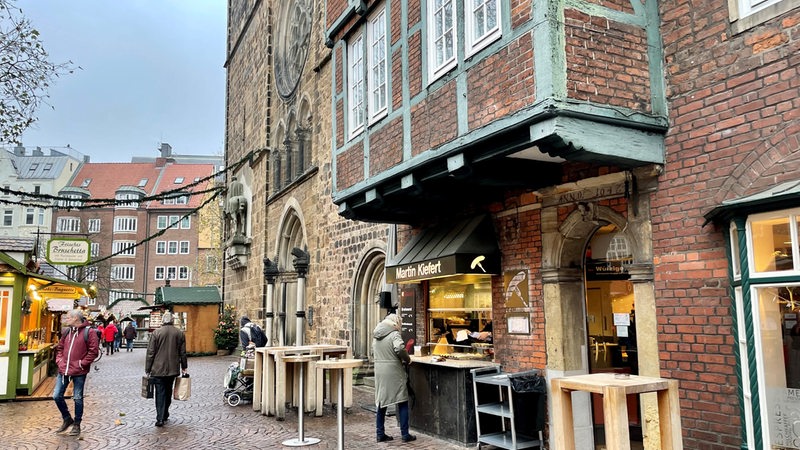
158, 228
637, 165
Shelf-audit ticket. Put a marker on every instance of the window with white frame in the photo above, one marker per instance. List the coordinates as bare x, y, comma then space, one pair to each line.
183, 273
184, 247
68, 225
124, 224
123, 272
127, 200
120, 294
70, 201
124, 248
95, 249
91, 301
746, 14
160, 271
161, 247
376, 57
441, 37
186, 223
773, 241
172, 273
174, 221
30, 216
90, 273
355, 85
172, 247
94, 225
161, 222
176, 200
8, 217
481, 23
40, 215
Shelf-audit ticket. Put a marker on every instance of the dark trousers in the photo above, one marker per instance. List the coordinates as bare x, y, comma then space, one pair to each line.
402, 416
163, 394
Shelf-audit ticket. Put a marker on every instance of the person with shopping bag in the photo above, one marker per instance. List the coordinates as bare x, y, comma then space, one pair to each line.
165, 360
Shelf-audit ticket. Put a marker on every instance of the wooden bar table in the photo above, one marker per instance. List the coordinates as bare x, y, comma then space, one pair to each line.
344, 367
301, 440
614, 388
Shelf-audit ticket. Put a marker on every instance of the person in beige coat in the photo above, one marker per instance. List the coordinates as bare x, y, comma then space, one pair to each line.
390, 356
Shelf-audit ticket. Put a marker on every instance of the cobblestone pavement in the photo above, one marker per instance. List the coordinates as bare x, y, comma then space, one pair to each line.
116, 416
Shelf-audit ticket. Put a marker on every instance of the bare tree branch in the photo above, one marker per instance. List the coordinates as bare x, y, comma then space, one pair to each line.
25, 72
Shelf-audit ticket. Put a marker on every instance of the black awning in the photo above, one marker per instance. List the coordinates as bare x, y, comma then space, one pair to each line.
782, 196
466, 247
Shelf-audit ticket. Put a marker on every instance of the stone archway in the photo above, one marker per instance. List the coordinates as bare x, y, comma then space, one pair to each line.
291, 234
563, 278
370, 281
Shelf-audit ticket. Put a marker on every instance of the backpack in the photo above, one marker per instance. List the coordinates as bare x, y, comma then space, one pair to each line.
257, 335
86, 341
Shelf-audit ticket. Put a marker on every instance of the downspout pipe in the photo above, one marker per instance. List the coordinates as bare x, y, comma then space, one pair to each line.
301, 261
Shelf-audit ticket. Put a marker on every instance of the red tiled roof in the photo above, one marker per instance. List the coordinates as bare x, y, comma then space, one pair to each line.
106, 178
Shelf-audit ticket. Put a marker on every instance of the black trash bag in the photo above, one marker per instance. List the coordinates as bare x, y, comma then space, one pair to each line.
528, 383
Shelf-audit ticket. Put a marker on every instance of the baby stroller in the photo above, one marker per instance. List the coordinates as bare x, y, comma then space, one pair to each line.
238, 385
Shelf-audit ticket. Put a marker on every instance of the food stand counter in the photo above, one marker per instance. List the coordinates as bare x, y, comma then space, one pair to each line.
33, 365
444, 404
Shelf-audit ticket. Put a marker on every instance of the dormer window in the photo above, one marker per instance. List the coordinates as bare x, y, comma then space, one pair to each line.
86, 182
179, 180
176, 199
142, 182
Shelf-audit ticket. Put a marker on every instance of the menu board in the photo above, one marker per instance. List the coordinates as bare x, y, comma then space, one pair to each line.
408, 315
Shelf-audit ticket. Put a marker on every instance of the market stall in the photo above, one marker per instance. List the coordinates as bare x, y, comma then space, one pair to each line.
31, 305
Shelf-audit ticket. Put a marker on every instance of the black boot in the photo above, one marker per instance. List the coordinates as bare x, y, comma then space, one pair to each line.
76, 430
64, 425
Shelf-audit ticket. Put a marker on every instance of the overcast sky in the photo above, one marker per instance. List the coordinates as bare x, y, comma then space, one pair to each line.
151, 72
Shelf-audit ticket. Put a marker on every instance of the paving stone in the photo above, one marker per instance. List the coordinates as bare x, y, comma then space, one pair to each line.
116, 416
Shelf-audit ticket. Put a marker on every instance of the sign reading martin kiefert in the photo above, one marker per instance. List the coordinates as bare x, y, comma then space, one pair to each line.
68, 251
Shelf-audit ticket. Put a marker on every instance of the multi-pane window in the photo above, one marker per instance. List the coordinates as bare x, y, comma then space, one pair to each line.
127, 200
90, 273
120, 294
183, 273
482, 26
161, 222
124, 248
774, 241
161, 247
367, 74
173, 221
356, 85
40, 215
71, 201
123, 272
442, 36
184, 247
94, 225
95, 249
68, 225
376, 56
186, 223
8, 217
30, 216
159, 273
178, 200
124, 224
172, 273
172, 247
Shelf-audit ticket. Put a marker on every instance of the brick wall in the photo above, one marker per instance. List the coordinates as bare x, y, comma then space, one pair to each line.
734, 131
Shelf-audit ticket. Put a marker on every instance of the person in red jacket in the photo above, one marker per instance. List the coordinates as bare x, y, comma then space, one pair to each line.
109, 335
75, 353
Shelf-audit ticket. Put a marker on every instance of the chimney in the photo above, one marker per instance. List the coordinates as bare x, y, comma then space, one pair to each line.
19, 150
38, 151
166, 150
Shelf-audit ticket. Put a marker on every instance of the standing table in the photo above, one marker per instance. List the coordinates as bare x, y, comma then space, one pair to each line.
343, 367
301, 440
614, 388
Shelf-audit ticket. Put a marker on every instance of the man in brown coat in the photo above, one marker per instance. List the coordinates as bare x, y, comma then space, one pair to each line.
166, 357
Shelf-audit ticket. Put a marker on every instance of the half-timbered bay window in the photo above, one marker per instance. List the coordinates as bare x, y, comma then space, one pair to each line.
367, 79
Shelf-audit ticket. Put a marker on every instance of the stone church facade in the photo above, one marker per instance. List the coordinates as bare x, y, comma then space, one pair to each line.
292, 263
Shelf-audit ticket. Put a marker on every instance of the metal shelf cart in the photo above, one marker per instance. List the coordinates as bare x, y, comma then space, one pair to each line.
502, 405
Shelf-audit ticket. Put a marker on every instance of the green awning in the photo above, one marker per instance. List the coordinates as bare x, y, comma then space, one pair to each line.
781, 196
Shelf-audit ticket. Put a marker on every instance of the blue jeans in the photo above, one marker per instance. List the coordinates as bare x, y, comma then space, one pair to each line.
163, 394
62, 381
402, 416
129, 344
